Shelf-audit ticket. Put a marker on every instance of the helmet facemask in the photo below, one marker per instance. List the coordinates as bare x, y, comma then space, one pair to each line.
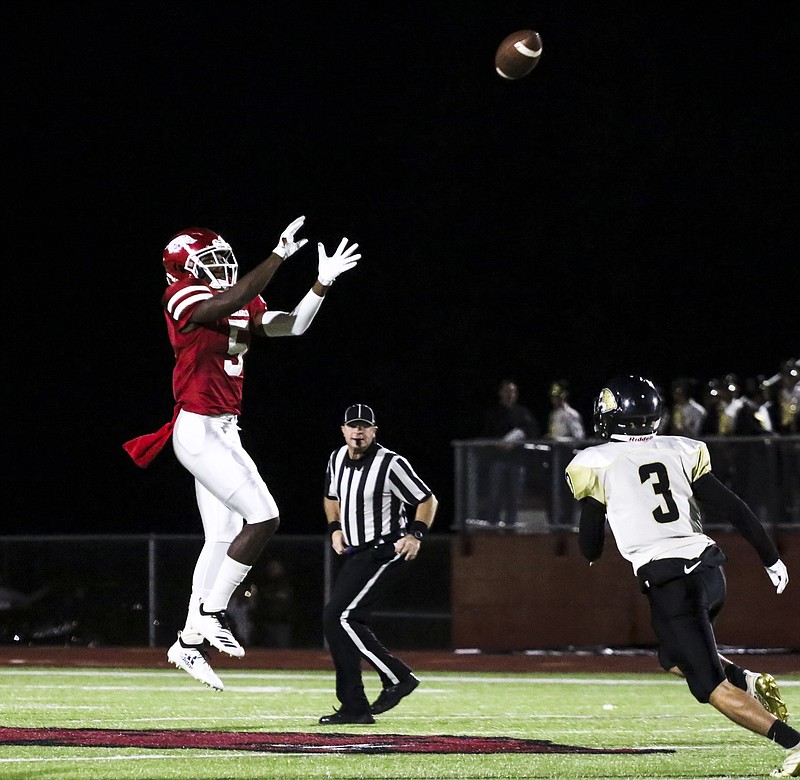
215, 264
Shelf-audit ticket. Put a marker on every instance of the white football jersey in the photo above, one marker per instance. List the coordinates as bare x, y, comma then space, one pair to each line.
645, 485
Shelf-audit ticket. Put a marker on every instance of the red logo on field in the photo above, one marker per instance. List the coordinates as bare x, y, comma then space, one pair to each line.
295, 742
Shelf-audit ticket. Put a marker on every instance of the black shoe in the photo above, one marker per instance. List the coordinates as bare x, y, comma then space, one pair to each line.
340, 716
390, 697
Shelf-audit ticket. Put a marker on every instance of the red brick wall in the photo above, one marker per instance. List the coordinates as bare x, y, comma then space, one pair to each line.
538, 592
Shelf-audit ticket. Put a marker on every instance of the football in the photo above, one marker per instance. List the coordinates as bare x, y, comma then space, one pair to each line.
518, 54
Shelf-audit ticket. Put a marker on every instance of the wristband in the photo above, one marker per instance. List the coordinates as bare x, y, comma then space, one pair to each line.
334, 527
418, 529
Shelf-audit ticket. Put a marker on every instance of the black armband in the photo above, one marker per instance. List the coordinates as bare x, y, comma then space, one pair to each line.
418, 529
333, 527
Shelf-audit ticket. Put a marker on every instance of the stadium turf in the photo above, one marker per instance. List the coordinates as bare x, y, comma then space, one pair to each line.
115, 724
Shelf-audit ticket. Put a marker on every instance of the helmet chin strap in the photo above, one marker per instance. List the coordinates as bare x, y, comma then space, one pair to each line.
217, 284
214, 281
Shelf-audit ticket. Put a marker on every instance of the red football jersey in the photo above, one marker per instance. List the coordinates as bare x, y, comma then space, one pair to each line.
209, 360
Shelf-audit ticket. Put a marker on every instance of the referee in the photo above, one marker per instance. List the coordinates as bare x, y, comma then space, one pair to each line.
368, 490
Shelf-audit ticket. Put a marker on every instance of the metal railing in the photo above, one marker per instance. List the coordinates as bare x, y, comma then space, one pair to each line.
133, 590
492, 481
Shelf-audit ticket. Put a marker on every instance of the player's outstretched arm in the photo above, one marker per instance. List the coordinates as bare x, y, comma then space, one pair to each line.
253, 282
343, 259
720, 505
296, 322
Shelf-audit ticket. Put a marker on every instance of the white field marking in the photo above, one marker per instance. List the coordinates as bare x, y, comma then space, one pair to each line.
530, 680
189, 688
600, 716
553, 681
153, 673
226, 719
260, 689
155, 756
33, 705
472, 679
533, 679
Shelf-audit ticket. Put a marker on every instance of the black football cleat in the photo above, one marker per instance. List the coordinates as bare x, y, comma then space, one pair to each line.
391, 696
341, 717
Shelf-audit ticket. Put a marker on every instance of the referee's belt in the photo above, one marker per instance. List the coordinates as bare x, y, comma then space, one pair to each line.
388, 539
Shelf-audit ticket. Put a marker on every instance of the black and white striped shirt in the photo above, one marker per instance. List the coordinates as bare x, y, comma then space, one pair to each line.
373, 493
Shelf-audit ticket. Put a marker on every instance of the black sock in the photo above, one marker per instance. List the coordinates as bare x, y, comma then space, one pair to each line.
735, 676
784, 734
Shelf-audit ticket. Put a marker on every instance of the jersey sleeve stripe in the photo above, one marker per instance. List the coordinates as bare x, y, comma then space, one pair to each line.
186, 297
405, 479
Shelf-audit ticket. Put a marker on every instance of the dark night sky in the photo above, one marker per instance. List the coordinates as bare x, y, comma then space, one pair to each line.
630, 206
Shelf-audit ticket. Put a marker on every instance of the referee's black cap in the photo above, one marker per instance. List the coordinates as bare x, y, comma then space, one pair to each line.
359, 413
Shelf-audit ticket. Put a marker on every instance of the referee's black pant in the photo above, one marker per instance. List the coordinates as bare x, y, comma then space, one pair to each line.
365, 575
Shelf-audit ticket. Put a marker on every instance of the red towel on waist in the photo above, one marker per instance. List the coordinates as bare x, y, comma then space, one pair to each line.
143, 449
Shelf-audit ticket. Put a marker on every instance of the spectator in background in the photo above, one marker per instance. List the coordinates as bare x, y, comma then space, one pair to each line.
666, 417
753, 418
782, 393
242, 610
730, 402
751, 467
511, 423
739, 409
278, 606
728, 396
687, 416
711, 402
563, 422
783, 407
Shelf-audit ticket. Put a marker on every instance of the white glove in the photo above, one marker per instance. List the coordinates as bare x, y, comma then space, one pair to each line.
340, 261
287, 245
779, 575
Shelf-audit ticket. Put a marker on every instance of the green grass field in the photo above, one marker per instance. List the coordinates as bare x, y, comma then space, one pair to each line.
581, 710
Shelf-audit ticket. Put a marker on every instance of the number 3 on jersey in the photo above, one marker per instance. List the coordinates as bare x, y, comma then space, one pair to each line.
236, 347
660, 487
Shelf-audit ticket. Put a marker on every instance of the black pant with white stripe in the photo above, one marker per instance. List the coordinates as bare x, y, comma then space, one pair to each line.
364, 577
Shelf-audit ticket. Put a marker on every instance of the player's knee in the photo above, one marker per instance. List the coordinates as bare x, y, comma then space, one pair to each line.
264, 527
271, 526
665, 661
263, 531
703, 686
252, 540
